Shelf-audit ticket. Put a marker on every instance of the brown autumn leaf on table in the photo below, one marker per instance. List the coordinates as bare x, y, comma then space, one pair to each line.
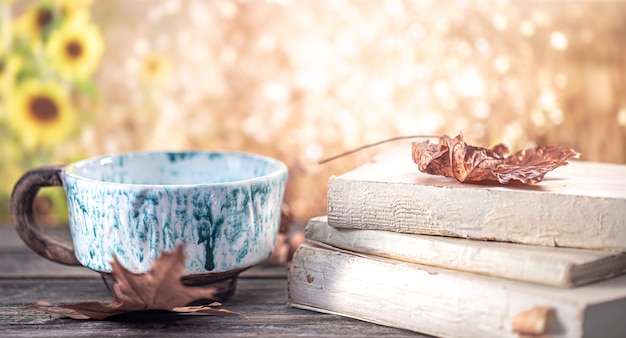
452, 157
159, 289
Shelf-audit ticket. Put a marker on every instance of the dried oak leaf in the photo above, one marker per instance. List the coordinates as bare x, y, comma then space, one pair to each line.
159, 289
452, 157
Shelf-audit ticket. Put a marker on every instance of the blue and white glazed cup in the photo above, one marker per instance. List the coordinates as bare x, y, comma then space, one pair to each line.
224, 206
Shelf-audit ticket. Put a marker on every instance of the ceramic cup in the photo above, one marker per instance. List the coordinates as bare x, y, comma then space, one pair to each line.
224, 206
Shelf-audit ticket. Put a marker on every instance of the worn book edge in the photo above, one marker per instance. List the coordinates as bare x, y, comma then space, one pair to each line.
561, 267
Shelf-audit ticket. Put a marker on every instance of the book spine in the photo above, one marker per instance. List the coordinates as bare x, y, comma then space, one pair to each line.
419, 298
521, 262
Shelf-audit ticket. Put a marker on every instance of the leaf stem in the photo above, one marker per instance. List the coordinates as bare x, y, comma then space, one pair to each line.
349, 152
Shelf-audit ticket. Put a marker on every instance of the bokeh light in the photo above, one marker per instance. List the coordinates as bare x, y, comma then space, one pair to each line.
303, 80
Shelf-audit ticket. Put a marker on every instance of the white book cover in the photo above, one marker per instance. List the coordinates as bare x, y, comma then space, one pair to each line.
449, 303
581, 205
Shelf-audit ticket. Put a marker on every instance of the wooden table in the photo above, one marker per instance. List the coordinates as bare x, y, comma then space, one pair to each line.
261, 294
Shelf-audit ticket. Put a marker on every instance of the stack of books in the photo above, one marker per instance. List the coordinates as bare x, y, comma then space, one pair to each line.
425, 253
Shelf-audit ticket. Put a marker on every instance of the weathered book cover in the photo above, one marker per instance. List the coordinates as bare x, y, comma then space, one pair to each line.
449, 303
581, 205
560, 267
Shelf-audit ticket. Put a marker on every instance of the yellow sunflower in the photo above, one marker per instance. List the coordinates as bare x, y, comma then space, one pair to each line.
40, 112
76, 48
36, 21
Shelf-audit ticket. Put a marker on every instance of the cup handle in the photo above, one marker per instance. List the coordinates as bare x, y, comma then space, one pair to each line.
24, 193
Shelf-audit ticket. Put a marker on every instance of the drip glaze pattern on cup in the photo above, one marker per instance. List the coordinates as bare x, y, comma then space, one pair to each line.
225, 207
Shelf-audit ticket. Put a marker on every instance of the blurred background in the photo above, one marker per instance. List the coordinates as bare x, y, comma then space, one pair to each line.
303, 80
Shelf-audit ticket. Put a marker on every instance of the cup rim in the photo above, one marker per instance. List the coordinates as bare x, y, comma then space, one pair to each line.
281, 168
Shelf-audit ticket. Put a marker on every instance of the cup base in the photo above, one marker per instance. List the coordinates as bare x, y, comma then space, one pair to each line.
224, 282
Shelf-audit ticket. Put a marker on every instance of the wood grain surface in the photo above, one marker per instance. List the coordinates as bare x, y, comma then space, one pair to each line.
261, 295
